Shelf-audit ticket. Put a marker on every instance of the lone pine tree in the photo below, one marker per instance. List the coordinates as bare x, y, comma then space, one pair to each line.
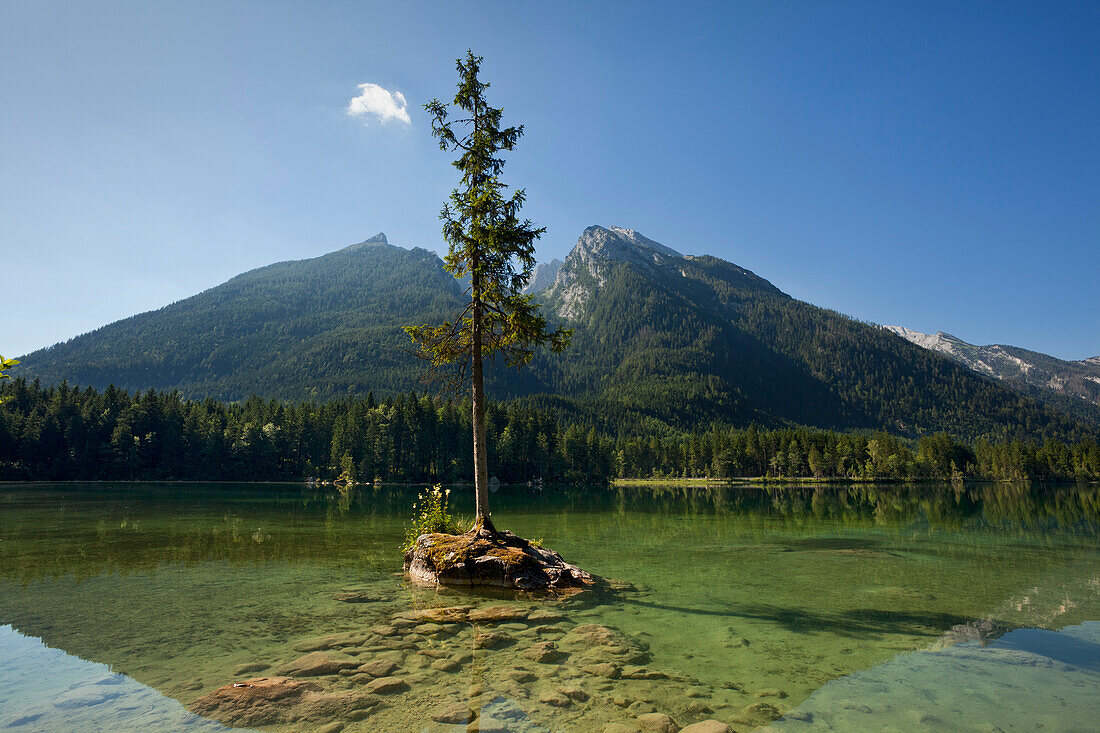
494, 249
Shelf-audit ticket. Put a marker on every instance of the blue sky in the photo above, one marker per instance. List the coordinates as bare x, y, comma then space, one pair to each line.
935, 165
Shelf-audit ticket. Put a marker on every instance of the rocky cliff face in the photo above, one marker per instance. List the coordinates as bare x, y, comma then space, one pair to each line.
587, 265
1015, 365
543, 276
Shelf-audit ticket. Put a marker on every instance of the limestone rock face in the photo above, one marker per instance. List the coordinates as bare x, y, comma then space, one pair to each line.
491, 559
587, 265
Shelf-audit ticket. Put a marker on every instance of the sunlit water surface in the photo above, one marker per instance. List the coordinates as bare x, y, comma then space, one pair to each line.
971, 608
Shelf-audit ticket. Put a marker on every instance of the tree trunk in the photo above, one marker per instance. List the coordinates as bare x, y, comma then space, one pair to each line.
481, 458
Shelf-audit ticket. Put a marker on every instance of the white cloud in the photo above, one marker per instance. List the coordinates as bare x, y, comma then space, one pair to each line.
383, 104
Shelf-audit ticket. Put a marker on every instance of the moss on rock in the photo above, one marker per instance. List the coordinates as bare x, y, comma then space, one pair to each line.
492, 559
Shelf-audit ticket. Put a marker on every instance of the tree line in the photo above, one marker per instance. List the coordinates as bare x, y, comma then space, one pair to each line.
807, 453
67, 433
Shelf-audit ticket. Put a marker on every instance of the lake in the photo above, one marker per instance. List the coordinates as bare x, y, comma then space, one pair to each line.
785, 608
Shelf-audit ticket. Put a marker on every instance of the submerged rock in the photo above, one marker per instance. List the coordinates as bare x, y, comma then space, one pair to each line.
763, 710
453, 714
250, 667
356, 596
621, 728
446, 665
378, 668
84, 697
260, 701
555, 699
497, 614
314, 665
492, 640
605, 669
658, 723
387, 685
451, 614
545, 652
333, 641
707, 726
492, 559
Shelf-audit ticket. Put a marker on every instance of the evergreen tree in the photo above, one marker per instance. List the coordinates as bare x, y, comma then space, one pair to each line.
492, 247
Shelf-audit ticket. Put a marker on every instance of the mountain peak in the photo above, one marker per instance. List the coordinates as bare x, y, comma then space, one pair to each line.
1014, 364
543, 276
621, 243
378, 240
598, 249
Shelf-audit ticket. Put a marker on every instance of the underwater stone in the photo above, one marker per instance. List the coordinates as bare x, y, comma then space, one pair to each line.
17, 720
313, 665
762, 710
451, 614
545, 616
492, 640
514, 689
259, 701
621, 728
545, 652
489, 724
84, 697
658, 723
556, 699
521, 676
250, 667
387, 685
446, 665
453, 714
707, 726
574, 693
497, 614
604, 669
356, 596
378, 668
695, 709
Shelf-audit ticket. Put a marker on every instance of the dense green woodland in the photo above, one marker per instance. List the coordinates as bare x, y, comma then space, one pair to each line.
68, 433
658, 350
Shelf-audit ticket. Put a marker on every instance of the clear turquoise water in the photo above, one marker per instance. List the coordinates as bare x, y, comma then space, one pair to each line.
839, 608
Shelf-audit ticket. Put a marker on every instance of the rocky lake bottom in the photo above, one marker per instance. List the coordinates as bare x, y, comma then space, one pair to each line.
202, 607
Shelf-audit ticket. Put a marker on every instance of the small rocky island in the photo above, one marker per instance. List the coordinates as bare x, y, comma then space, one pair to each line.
487, 557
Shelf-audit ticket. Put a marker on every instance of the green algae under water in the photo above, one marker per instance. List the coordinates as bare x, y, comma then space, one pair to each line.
838, 608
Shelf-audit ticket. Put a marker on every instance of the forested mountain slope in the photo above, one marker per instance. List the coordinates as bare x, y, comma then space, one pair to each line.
1029, 371
309, 329
663, 342
689, 339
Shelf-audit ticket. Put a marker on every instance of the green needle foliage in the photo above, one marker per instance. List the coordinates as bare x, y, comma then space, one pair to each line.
492, 247
5, 365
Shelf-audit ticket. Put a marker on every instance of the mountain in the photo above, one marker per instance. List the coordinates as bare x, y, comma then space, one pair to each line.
689, 339
663, 342
1018, 367
543, 276
317, 328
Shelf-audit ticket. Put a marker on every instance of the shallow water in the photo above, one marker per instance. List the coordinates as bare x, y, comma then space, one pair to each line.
839, 608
